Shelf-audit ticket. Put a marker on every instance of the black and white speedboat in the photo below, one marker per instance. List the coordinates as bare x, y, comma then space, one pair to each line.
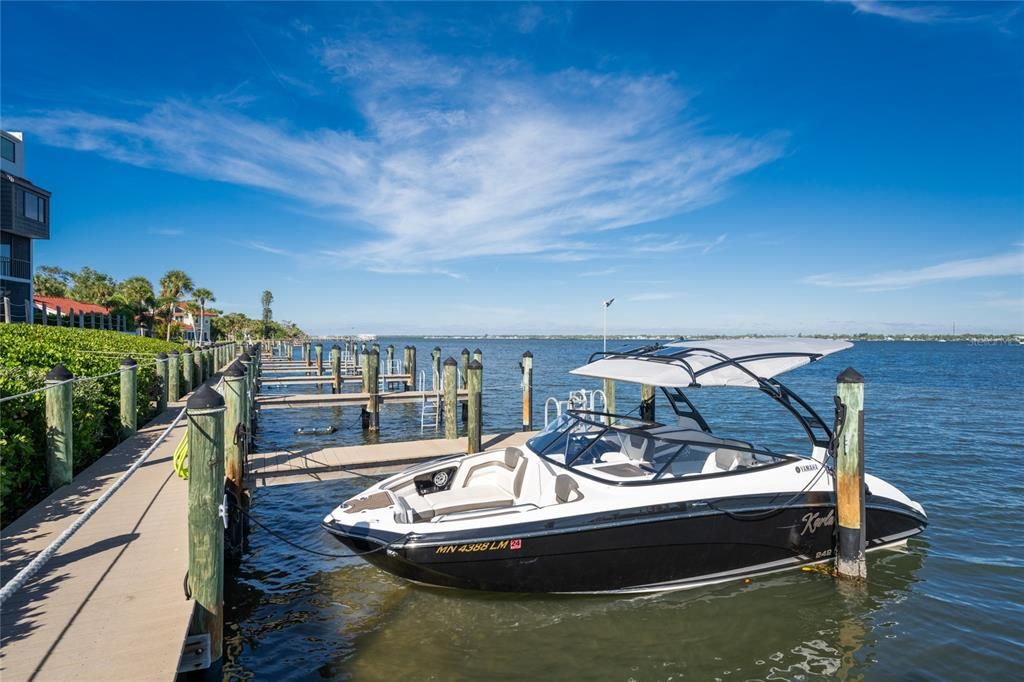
606, 503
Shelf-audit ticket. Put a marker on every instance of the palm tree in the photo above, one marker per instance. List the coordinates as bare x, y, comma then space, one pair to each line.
173, 286
203, 295
267, 298
136, 295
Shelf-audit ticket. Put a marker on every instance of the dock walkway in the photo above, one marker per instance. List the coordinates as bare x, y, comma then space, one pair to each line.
313, 464
109, 604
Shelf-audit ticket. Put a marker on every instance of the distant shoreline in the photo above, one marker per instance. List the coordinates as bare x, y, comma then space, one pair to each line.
1012, 339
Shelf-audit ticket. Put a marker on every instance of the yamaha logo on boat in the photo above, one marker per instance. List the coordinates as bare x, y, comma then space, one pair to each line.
814, 520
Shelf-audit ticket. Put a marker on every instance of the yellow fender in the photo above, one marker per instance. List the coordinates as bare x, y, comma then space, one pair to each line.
181, 458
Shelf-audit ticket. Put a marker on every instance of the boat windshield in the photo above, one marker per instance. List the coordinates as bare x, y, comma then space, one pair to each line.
631, 451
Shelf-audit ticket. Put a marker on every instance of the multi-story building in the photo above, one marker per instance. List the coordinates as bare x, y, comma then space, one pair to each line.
24, 217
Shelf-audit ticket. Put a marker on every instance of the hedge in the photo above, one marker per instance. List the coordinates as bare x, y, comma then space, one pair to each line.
27, 353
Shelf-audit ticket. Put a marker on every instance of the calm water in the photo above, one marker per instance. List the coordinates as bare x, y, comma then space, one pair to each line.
944, 423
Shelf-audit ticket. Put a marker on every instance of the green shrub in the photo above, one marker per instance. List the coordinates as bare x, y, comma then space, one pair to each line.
27, 353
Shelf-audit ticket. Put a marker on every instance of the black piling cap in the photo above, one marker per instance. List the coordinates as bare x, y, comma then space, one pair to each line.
335, 347
450, 362
234, 370
128, 362
205, 398
850, 376
174, 353
527, 354
161, 355
59, 373
465, 351
478, 352
437, 348
474, 364
245, 357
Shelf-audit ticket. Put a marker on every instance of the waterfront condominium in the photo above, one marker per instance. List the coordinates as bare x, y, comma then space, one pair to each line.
24, 216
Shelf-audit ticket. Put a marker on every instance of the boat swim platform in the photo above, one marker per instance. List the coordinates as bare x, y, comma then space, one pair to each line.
321, 464
109, 605
342, 399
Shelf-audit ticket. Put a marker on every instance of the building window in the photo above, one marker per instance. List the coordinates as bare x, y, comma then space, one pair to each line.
34, 207
8, 149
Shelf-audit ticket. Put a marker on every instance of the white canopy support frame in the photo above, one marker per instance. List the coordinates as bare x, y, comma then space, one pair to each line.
716, 362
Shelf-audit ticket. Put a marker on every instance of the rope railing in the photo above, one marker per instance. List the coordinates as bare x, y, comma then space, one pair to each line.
25, 574
55, 384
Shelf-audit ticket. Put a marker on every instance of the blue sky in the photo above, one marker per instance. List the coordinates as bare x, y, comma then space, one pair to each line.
760, 167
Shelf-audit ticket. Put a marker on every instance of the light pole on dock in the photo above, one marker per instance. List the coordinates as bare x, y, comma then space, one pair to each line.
607, 304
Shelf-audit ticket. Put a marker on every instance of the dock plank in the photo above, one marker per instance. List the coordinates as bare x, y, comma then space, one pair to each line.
341, 399
109, 604
317, 464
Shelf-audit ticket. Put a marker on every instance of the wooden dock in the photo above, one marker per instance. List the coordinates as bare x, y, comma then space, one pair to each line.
326, 379
109, 605
318, 464
342, 399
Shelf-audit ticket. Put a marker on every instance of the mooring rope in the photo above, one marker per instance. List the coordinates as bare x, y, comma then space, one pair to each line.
329, 555
25, 574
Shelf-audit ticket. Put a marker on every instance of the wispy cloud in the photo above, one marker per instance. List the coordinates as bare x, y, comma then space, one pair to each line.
266, 248
654, 296
604, 272
969, 268
660, 243
490, 156
931, 13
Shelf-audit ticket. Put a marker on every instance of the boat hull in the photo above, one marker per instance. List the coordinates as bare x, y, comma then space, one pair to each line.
652, 549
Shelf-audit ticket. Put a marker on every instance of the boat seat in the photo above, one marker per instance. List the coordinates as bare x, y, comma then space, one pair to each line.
567, 489
465, 499
637, 448
506, 473
722, 459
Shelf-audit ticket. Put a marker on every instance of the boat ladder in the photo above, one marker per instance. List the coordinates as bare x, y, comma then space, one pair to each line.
580, 399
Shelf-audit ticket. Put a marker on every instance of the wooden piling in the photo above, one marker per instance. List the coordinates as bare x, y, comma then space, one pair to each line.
474, 386
197, 372
449, 383
336, 368
306, 354
161, 376
59, 428
435, 369
205, 411
850, 562
647, 402
236, 397
405, 366
412, 366
129, 406
364, 373
372, 376
609, 396
59, 317
527, 366
188, 369
173, 376
391, 358
464, 365
319, 359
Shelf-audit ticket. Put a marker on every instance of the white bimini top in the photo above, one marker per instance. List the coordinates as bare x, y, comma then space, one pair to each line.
715, 362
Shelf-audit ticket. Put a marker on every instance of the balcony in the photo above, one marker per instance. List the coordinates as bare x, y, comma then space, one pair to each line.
15, 267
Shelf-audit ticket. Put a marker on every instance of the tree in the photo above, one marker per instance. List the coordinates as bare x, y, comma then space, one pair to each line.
51, 281
203, 295
267, 298
173, 286
92, 286
135, 294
